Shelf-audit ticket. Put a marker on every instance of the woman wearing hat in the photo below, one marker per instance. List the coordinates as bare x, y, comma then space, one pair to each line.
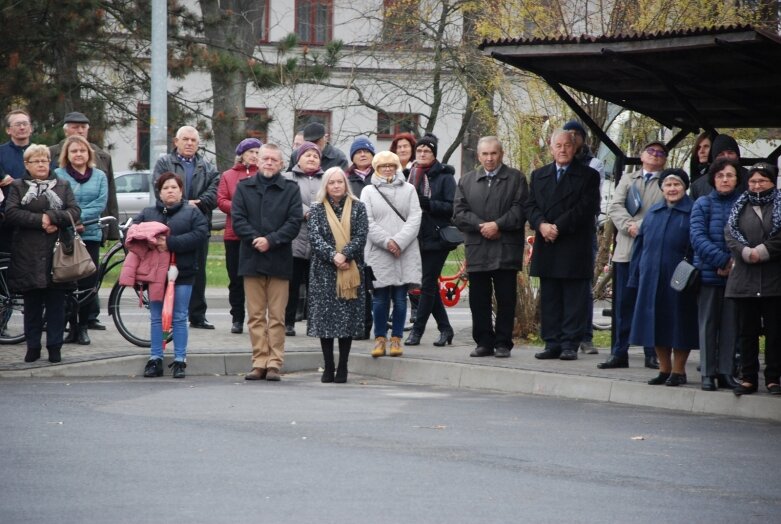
360, 171
714, 260
245, 166
664, 318
753, 235
307, 173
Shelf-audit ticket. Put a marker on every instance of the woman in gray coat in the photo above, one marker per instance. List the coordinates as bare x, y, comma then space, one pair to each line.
337, 234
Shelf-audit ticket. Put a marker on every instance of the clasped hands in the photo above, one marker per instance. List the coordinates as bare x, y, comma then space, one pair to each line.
489, 230
549, 232
47, 224
341, 262
394, 248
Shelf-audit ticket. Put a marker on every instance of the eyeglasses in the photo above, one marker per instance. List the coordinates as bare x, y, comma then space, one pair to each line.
19, 125
38, 162
760, 182
725, 176
387, 166
658, 153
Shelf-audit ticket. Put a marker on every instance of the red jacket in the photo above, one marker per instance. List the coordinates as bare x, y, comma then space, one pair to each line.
144, 264
228, 182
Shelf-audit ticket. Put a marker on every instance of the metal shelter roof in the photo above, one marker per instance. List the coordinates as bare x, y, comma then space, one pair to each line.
705, 78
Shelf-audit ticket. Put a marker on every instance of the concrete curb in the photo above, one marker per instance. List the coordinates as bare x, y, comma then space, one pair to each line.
452, 375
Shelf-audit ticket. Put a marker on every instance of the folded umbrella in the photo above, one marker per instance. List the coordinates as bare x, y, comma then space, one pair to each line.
168, 300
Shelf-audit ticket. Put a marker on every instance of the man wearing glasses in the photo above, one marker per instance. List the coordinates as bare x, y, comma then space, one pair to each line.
636, 193
18, 128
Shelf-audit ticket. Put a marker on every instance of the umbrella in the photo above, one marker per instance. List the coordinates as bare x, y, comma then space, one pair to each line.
168, 301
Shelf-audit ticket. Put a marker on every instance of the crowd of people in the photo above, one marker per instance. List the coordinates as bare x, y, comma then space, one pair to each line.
348, 242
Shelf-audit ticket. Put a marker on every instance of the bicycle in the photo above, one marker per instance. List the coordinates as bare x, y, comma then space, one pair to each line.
124, 302
450, 287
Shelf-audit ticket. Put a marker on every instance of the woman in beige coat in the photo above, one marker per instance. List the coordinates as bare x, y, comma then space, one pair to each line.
392, 249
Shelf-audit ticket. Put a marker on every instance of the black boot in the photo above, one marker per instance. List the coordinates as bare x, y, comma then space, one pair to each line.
413, 339
727, 382
82, 338
32, 354
72, 335
327, 347
54, 355
445, 337
344, 354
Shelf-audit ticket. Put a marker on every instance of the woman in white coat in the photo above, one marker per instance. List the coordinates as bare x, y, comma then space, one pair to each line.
392, 250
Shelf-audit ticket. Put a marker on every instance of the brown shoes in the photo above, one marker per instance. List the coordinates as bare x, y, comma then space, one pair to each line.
272, 375
256, 374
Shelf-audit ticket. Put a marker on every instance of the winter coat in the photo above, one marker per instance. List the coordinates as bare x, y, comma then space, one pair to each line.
204, 182
702, 186
32, 247
442, 183
144, 263
356, 182
663, 316
330, 316
571, 204
709, 216
385, 225
91, 196
332, 157
189, 230
651, 194
754, 280
269, 208
225, 191
480, 199
308, 186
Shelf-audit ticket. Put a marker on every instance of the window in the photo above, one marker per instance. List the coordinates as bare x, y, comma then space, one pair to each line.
314, 21
401, 22
257, 123
304, 117
391, 124
259, 20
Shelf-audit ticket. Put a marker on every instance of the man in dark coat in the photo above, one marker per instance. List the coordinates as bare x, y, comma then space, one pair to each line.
18, 127
724, 146
267, 214
330, 156
488, 208
200, 189
563, 200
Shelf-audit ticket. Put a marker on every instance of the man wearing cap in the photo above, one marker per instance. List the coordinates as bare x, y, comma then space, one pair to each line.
200, 190
245, 166
635, 194
563, 200
329, 156
724, 146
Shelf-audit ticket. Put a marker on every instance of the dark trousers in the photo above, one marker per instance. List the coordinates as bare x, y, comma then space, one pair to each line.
482, 285
300, 275
89, 309
198, 297
235, 282
430, 301
624, 299
717, 321
756, 315
564, 304
54, 301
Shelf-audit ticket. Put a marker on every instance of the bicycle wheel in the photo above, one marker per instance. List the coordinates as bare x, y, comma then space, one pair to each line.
11, 311
129, 308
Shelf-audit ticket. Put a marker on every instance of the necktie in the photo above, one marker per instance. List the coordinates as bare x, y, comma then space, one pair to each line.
648, 177
559, 172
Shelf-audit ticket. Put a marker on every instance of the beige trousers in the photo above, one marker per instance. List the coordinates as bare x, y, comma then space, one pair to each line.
266, 301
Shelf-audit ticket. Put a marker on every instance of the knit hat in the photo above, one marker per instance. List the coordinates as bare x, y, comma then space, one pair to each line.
766, 170
306, 146
314, 131
76, 118
361, 143
723, 143
247, 144
574, 125
675, 172
430, 141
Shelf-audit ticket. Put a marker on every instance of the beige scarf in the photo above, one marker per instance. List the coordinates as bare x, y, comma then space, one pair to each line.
347, 280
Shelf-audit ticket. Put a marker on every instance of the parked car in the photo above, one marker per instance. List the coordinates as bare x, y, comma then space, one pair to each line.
133, 196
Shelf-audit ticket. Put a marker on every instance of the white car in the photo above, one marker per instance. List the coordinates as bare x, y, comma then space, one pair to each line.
133, 196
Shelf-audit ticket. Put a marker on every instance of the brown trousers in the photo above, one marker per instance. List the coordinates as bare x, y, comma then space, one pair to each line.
266, 301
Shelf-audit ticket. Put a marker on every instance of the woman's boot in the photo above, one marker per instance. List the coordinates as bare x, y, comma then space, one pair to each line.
344, 354
327, 346
379, 347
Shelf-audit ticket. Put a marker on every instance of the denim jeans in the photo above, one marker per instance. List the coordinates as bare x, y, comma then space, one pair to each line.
182, 294
381, 305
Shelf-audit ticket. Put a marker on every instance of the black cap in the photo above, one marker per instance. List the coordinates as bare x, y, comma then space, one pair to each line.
574, 125
675, 172
763, 168
76, 118
313, 132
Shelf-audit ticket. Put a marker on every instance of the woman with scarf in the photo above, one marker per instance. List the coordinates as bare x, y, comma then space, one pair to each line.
307, 174
359, 174
435, 184
664, 318
38, 207
337, 233
753, 235
245, 166
700, 156
90, 187
404, 145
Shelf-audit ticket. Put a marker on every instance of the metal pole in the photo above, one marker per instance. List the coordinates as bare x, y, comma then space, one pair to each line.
158, 111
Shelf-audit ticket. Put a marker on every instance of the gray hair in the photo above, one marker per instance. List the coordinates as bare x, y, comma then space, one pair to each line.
182, 129
558, 132
490, 140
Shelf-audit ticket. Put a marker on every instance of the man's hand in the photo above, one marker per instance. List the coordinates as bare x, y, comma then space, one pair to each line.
549, 232
394, 248
261, 244
633, 230
194, 202
490, 230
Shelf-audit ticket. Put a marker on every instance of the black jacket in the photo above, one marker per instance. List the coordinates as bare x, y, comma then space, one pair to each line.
356, 182
442, 182
204, 182
188, 231
272, 210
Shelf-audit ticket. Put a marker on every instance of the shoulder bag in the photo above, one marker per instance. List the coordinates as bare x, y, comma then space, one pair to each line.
685, 277
69, 267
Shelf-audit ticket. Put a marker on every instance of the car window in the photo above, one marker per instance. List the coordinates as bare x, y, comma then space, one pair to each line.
132, 183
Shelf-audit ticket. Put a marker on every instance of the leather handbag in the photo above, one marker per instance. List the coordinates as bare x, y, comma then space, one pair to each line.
685, 277
451, 236
71, 265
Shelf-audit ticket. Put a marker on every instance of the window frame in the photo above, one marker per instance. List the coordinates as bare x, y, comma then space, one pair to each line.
263, 112
395, 122
300, 114
311, 38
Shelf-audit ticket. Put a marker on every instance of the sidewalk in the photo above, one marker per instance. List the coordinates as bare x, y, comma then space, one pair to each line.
220, 352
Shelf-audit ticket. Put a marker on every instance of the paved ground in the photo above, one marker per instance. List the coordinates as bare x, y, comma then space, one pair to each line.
219, 449
424, 364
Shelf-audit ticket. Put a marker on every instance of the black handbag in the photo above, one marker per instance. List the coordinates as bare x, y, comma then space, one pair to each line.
685, 277
451, 236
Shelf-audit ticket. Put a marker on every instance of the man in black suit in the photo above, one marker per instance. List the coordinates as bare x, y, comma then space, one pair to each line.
563, 200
